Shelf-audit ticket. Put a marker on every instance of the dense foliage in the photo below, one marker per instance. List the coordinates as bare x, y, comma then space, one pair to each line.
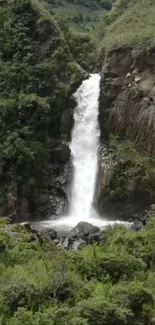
81, 15
82, 45
37, 75
109, 284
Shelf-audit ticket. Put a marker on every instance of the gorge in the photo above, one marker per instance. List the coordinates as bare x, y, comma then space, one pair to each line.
85, 157
35, 161
77, 149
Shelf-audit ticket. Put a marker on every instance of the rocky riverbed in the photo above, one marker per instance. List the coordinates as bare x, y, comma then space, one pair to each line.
77, 238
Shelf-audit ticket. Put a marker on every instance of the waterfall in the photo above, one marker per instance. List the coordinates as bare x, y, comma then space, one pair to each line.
84, 149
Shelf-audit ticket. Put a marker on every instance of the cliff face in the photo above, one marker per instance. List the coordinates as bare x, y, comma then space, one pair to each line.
128, 96
127, 110
37, 77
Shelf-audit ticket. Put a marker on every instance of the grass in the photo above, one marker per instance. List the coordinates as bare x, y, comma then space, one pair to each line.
134, 27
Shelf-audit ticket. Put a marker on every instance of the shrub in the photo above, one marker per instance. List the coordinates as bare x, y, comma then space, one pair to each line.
101, 312
96, 262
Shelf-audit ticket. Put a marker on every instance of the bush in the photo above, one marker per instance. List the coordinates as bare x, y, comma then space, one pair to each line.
96, 262
50, 316
101, 312
111, 284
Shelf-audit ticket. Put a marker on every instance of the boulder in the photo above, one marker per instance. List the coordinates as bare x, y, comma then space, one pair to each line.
67, 243
94, 238
49, 233
26, 226
137, 226
84, 228
78, 244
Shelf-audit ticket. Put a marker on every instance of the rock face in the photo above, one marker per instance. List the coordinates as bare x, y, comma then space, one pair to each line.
127, 109
123, 192
128, 97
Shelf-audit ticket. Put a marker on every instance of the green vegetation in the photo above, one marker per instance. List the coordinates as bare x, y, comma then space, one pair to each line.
82, 45
129, 23
109, 284
37, 75
112, 283
134, 174
81, 15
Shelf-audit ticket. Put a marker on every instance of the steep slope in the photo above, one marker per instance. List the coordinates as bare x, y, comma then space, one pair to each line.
37, 77
127, 105
81, 15
130, 23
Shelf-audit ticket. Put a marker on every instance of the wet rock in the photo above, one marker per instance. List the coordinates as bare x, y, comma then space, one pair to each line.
137, 226
57, 202
78, 244
26, 226
49, 233
84, 228
94, 238
129, 78
66, 243
60, 245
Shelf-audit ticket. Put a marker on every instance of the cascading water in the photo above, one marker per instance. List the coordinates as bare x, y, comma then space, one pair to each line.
84, 149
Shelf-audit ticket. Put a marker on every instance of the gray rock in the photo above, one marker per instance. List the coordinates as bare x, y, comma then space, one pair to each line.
78, 244
57, 201
26, 226
66, 243
49, 233
137, 226
84, 228
61, 246
94, 238
129, 78
119, 81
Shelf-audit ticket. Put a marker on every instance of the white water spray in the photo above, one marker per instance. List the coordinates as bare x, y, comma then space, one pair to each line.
84, 149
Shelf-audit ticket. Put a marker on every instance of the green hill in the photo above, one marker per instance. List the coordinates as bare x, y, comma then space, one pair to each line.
130, 23
81, 15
